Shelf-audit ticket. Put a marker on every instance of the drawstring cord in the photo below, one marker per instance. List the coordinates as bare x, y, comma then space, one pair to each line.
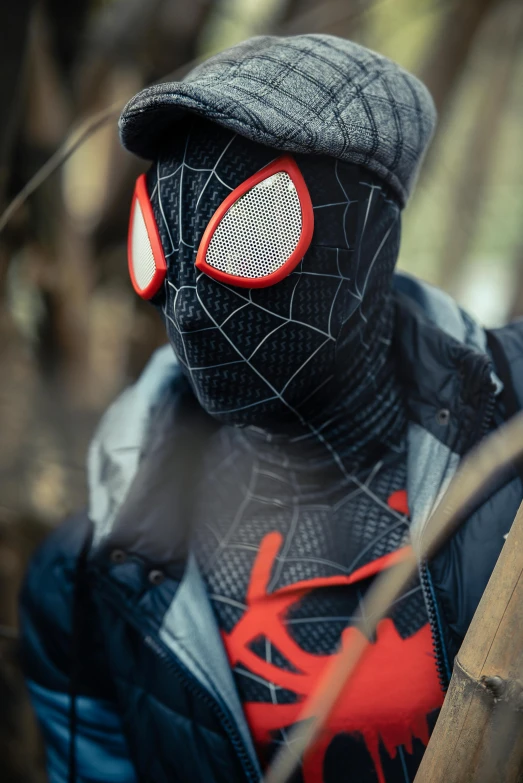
76, 642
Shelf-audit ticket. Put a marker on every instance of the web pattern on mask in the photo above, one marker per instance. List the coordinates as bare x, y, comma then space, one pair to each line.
221, 332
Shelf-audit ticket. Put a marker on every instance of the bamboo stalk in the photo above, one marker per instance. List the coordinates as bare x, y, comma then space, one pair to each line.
479, 735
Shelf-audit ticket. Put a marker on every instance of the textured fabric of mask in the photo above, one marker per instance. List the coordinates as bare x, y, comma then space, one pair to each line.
272, 357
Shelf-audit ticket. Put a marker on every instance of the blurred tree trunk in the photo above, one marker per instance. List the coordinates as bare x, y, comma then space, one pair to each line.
447, 58
67, 23
14, 28
516, 306
502, 40
337, 17
14, 33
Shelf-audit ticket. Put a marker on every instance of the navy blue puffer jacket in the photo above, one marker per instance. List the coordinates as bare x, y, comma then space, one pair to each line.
114, 609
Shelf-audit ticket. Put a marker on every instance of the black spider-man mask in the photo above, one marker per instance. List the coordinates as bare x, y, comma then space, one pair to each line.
275, 356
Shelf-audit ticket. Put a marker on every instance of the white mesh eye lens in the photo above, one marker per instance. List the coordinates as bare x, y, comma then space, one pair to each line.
261, 231
142, 252
147, 264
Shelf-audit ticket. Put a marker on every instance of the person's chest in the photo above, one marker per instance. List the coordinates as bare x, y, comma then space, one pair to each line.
287, 558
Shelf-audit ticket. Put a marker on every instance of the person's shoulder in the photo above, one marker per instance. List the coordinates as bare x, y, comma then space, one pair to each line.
49, 579
506, 347
121, 431
46, 601
119, 441
440, 310
511, 337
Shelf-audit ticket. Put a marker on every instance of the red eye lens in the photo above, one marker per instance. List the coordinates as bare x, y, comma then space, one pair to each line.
262, 230
147, 265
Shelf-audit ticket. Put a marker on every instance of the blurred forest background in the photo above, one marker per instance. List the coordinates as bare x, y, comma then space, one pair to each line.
72, 332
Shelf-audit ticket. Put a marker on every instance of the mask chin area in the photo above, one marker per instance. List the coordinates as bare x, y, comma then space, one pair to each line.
261, 231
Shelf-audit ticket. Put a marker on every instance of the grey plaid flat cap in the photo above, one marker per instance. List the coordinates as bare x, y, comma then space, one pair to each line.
306, 93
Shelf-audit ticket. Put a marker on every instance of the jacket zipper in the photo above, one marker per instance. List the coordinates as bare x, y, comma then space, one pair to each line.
191, 684
489, 413
438, 643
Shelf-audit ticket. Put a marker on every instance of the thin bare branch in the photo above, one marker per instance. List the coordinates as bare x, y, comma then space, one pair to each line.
72, 142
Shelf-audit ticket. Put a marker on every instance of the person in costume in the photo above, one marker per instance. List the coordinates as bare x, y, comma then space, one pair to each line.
286, 447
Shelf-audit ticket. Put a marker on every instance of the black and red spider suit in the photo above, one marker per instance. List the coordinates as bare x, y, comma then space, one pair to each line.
245, 493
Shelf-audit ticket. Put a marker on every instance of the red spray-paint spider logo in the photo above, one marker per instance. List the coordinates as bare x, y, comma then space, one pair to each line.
389, 699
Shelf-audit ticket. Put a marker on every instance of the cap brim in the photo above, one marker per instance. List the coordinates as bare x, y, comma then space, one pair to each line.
151, 115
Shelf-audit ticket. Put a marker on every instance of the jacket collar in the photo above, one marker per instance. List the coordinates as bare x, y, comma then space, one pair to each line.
444, 368
443, 365
450, 388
